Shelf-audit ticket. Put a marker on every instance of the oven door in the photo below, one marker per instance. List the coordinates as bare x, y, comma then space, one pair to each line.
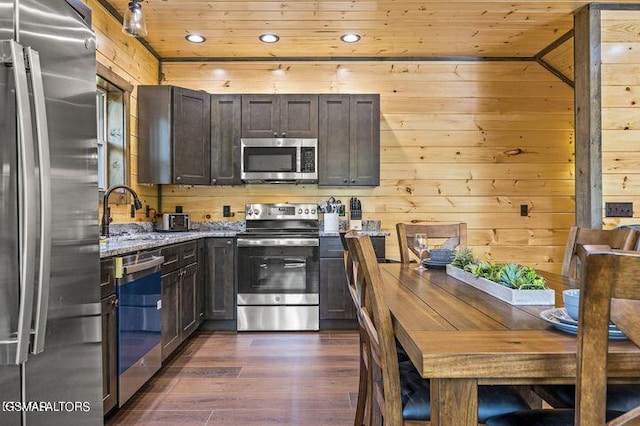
278, 271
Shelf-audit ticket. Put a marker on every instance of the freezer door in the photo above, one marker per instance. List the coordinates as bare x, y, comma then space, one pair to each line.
9, 374
70, 367
6, 19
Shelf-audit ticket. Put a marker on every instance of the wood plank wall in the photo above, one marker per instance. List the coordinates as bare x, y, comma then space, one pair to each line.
130, 60
621, 111
461, 141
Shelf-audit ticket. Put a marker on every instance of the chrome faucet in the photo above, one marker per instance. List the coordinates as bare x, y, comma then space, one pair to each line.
106, 211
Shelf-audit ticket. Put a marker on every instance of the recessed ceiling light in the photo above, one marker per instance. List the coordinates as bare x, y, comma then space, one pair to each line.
196, 38
350, 38
269, 38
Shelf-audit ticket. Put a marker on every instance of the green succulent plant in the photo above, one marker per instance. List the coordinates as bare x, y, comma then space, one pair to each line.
512, 275
463, 257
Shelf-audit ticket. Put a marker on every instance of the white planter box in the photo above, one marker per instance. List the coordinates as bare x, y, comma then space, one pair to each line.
509, 295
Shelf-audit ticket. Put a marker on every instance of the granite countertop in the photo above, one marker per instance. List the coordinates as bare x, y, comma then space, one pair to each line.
133, 237
369, 233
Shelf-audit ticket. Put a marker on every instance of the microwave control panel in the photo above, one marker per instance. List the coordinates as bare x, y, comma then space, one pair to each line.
308, 163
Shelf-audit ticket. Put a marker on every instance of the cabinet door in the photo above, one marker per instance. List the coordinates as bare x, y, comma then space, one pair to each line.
225, 139
260, 116
109, 353
220, 279
191, 137
188, 300
107, 278
299, 116
170, 313
333, 140
200, 282
365, 140
335, 299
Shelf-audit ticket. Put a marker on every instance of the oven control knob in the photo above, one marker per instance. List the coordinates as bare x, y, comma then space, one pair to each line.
313, 211
306, 211
256, 212
277, 298
299, 211
249, 212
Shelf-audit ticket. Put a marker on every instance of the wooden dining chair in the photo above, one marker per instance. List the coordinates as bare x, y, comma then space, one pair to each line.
619, 396
623, 239
353, 272
609, 292
398, 394
455, 234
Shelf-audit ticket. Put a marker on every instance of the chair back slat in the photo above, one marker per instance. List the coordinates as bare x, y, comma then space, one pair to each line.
609, 291
453, 233
623, 239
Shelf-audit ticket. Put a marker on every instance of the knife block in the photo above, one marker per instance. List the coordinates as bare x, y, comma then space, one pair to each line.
355, 220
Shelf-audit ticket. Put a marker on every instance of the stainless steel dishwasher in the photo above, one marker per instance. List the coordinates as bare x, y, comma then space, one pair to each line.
139, 321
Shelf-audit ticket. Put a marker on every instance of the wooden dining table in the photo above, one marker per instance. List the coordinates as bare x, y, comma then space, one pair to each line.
459, 337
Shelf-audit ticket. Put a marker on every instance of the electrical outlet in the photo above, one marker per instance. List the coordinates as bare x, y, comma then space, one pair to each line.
226, 211
618, 209
524, 210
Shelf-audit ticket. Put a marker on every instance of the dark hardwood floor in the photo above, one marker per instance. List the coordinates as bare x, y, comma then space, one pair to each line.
238, 379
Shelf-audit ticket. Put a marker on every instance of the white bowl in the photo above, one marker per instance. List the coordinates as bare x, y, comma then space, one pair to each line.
572, 302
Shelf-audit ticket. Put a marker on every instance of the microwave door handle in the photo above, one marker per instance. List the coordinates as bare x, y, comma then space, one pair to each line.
12, 55
298, 160
42, 138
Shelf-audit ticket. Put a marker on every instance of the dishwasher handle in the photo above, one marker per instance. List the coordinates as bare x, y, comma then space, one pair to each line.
143, 266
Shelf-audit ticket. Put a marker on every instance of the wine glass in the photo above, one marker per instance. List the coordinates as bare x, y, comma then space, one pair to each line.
420, 245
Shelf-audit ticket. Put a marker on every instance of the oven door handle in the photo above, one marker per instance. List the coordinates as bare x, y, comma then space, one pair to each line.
278, 242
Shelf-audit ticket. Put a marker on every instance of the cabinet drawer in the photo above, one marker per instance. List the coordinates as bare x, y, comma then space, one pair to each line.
189, 253
331, 247
178, 255
171, 258
107, 279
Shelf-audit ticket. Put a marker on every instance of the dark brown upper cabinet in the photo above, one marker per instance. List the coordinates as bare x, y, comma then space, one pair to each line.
349, 140
280, 116
174, 136
225, 139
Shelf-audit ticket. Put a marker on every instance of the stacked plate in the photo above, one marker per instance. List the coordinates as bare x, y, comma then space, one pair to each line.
428, 263
559, 318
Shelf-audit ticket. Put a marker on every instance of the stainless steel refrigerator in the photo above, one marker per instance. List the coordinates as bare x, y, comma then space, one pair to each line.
50, 325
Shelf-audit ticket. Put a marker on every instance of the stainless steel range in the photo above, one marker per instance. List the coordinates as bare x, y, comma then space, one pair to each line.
279, 268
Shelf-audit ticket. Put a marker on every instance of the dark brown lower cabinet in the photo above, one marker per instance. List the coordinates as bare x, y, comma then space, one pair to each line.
109, 353
336, 305
220, 281
170, 313
335, 300
188, 301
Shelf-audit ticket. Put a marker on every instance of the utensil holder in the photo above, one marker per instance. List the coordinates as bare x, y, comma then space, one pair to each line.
331, 222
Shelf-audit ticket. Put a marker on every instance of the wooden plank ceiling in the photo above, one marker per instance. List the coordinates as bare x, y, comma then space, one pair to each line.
389, 28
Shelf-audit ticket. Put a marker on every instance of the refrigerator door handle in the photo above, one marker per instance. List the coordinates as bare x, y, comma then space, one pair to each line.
11, 54
42, 142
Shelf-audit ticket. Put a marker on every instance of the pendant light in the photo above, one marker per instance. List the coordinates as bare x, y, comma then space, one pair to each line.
133, 23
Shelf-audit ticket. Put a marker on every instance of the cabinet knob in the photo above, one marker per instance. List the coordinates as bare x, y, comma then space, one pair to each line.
353, 181
178, 178
275, 134
214, 181
115, 302
228, 243
284, 134
345, 180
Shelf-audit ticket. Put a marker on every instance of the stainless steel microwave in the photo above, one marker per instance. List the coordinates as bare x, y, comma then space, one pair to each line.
279, 160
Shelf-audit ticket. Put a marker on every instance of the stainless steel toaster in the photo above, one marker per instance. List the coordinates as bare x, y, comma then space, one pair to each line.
173, 222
